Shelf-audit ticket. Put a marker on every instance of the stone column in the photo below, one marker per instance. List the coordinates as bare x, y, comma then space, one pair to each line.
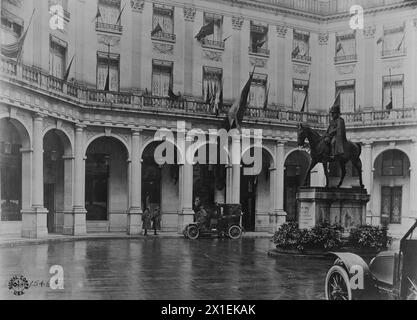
79, 212
68, 194
186, 215
229, 183
369, 63
189, 16
279, 186
367, 176
236, 160
34, 223
237, 23
273, 200
134, 222
413, 180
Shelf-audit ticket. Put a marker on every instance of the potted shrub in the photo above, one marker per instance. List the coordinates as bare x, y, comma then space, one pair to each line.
371, 238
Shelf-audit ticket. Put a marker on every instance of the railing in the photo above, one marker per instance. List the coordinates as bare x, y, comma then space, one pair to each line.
164, 36
346, 58
12, 70
212, 43
301, 58
394, 52
101, 26
261, 51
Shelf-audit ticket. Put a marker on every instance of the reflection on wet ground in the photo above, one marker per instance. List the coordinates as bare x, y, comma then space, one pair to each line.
164, 269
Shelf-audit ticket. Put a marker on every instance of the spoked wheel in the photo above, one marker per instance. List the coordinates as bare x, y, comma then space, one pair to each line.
337, 284
192, 232
234, 232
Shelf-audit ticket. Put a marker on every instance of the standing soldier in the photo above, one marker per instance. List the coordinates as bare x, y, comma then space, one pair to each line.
146, 221
156, 220
336, 132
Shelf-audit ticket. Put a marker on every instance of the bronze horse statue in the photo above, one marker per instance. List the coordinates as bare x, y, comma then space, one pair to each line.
320, 153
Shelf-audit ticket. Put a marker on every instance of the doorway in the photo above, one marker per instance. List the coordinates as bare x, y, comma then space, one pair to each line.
49, 203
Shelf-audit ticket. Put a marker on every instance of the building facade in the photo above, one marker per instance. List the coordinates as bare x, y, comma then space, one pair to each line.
95, 80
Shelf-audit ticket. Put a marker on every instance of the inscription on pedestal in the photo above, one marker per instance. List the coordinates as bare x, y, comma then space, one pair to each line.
307, 218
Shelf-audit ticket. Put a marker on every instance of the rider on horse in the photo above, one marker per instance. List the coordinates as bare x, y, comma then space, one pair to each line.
336, 133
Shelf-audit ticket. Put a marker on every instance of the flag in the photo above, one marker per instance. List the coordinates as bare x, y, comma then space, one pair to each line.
157, 29
266, 98
259, 43
14, 50
172, 95
207, 94
380, 40
98, 14
205, 31
225, 39
219, 99
339, 47
67, 72
389, 105
296, 51
306, 88
107, 85
336, 103
120, 15
401, 43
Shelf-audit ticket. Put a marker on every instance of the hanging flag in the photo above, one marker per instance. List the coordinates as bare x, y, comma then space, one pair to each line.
339, 47
401, 43
389, 106
259, 43
207, 94
107, 85
225, 39
172, 95
336, 103
14, 50
296, 51
67, 72
98, 14
266, 98
306, 89
120, 15
157, 29
205, 31
380, 40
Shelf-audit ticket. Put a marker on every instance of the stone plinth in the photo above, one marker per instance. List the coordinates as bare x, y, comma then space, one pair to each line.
344, 206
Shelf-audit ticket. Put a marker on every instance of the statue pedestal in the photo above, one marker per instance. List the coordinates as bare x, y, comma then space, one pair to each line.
344, 206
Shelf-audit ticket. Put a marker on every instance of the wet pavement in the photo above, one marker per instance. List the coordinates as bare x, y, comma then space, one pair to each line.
174, 269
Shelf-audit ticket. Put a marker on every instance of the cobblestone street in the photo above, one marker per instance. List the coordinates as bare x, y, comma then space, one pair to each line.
158, 268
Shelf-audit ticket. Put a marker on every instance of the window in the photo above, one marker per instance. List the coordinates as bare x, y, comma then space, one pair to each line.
345, 47
299, 91
258, 39
301, 46
257, 94
393, 163
347, 95
393, 86
214, 39
107, 71
161, 77
109, 10
57, 57
391, 198
212, 82
393, 41
163, 23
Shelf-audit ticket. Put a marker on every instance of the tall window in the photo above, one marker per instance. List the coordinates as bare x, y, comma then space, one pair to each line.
212, 82
345, 46
164, 16
161, 77
108, 71
299, 91
258, 39
393, 40
57, 57
391, 198
109, 10
257, 92
393, 85
216, 37
393, 163
301, 45
347, 95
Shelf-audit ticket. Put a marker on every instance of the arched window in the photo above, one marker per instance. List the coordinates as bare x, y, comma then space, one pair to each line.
393, 163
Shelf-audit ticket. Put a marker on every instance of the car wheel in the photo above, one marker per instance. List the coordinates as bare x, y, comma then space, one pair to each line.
234, 232
337, 284
193, 232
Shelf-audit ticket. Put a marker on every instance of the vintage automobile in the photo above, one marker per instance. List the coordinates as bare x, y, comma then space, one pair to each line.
390, 275
224, 221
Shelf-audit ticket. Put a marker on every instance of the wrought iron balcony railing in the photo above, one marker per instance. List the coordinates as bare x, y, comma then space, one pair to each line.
212, 44
346, 58
163, 36
36, 79
301, 58
107, 27
260, 51
394, 52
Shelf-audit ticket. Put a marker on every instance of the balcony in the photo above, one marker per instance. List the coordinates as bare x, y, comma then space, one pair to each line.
346, 59
393, 53
32, 78
163, 36
301, 59
259, 51
212, 44
109, 28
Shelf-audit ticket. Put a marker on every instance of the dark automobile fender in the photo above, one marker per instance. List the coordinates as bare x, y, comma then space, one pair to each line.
348, 260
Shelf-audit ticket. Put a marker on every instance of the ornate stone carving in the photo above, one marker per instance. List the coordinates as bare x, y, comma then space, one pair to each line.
137, 5
281, 31
300, 69
237, 23
347, 69
189, 14
393, 64
163, 48
212, 55
260, 63
323, 38
107, 39
48, 123
90, 133
369, 32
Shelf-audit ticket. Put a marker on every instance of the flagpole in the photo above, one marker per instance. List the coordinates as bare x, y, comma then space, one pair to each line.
390, 86
27, 29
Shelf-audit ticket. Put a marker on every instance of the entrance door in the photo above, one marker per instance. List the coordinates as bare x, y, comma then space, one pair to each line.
49, 203
247, 199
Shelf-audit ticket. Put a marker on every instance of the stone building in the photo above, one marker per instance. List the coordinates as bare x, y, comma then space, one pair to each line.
77, 143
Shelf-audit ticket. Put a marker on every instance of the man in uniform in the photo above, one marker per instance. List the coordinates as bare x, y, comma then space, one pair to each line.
336, 132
